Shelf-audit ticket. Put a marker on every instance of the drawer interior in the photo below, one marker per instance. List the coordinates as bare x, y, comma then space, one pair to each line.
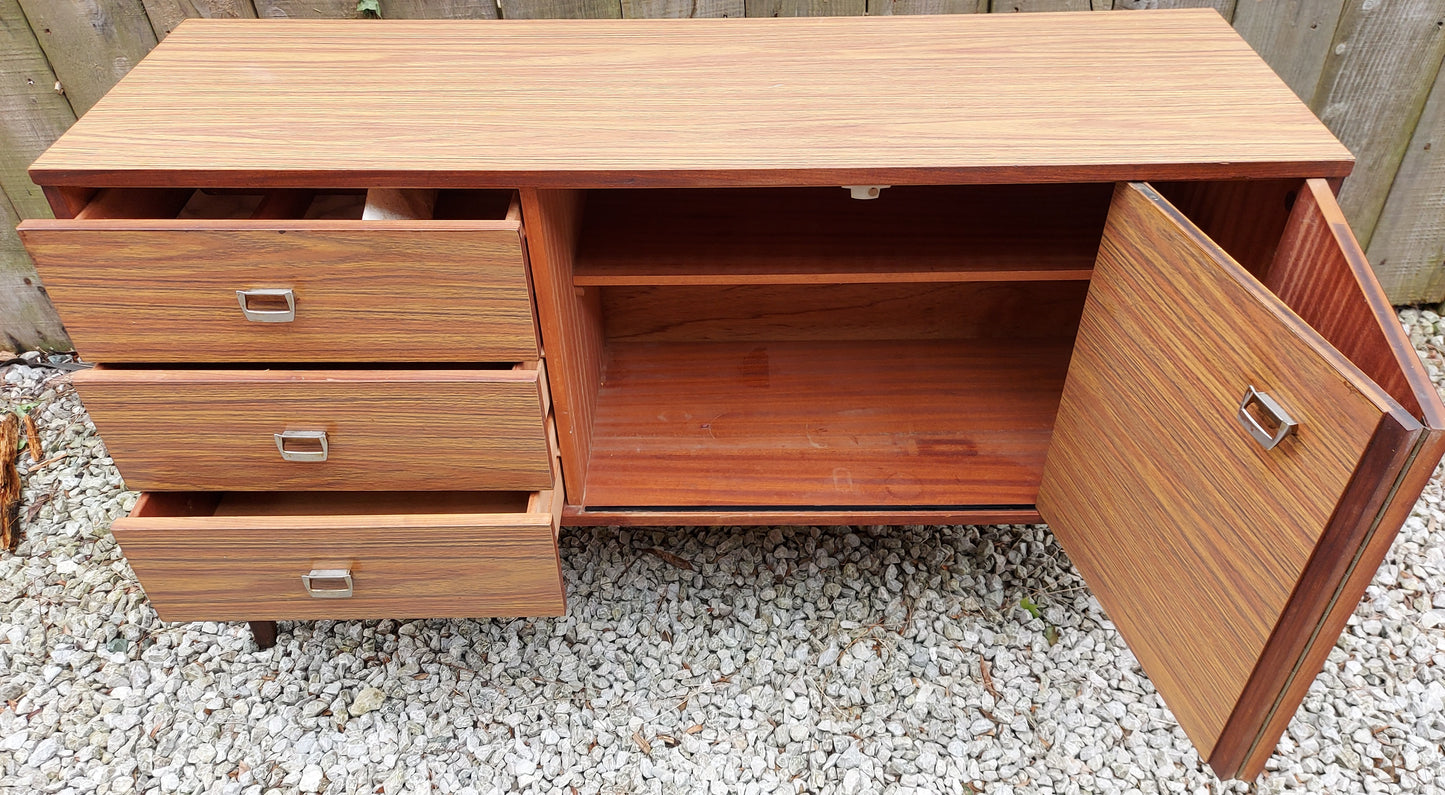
300, 204
331, 503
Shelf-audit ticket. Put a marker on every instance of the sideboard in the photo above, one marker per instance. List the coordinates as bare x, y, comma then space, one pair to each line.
379, 306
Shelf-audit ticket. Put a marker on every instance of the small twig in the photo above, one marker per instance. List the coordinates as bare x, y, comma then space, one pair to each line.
60, 456
987, 678
669, 558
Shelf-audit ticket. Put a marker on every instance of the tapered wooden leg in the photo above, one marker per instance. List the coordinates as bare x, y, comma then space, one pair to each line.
264, 632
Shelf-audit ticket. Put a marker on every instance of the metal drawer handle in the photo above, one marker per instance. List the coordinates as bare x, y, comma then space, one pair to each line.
1283, 424
243, 297
328, 583
313, 454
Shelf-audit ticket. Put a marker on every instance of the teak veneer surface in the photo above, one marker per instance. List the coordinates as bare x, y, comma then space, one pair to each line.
714, 517
1321, 273
838, 312
394, 430
165, 290
214, 557
1198, 542
910, 423
822, 235
694, 102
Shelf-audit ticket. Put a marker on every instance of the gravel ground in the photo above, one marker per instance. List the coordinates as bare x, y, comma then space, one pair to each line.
756, 660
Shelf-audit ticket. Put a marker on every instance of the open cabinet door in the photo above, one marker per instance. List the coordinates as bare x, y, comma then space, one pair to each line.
1219, 472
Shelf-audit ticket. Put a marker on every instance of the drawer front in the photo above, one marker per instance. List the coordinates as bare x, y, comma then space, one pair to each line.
398, 430
257, 557
167, 291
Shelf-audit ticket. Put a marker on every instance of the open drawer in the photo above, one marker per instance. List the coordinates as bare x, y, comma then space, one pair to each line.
1232, 457
150, 275
278, 555
244, 429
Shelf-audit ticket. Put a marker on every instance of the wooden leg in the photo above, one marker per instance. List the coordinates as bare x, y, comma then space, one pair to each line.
264, 632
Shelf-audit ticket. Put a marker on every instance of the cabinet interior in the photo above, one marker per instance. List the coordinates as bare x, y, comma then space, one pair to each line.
328, 503
796, 347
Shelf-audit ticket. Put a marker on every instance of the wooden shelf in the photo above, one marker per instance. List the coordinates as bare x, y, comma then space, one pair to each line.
824, 424
821, 235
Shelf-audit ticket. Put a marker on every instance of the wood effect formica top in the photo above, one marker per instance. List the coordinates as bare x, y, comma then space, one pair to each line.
594, 103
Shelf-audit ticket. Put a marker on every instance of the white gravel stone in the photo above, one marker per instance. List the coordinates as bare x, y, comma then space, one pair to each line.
368, 699
809, 659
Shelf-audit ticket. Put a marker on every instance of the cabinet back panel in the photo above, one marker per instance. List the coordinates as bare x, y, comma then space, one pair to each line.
821, 235
1246, 218
716, 313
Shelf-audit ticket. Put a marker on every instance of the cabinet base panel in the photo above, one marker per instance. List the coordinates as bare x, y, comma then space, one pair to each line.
574, 516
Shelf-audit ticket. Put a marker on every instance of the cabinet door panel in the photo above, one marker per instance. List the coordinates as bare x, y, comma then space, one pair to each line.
1215, 556
1320, 272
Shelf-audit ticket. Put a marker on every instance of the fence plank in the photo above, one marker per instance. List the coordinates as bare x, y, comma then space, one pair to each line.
1376, 78
1224, 7
1292, 36
32, 113
1408, 250
306, 9
561, 9
1024, 6
885, 8
27, 320
806, 8
676, 9
90, 43
165, 15
390, 9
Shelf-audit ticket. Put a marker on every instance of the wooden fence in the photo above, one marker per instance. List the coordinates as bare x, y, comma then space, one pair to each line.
1367, 67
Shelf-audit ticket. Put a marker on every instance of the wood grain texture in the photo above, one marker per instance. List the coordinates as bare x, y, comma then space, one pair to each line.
1321, 273
203, 563
891, 7
165, 291
821, 235
680, 9
824, 424
1292, 36
391, 429
1351, 589
796, 313
32, 113
1328, 572
580, 517
561, 9
571, 325
563, 103
90, 44
27, 318
1196, 539
1408, 246
165, 15
1372, 91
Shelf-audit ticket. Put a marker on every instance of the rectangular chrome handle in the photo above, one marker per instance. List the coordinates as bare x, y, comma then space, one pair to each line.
268, 296
1268, 438
328, 583
315, 441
